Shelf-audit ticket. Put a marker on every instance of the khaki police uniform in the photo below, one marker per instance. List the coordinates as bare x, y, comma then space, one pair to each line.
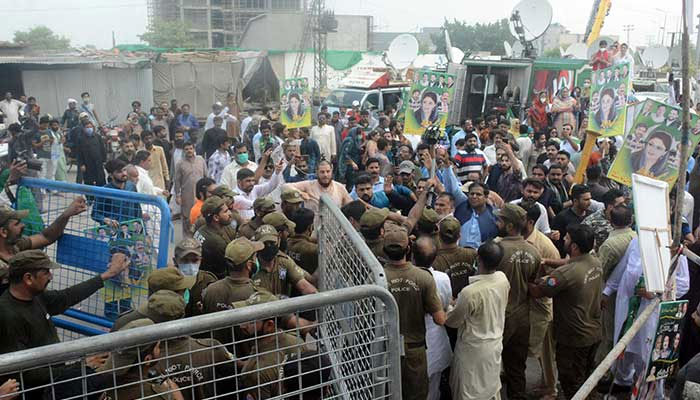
248, 229
576, 288
520, 264
214, 240
459, 263
374, 219
281, 278
202, 281
261, 206
303, 251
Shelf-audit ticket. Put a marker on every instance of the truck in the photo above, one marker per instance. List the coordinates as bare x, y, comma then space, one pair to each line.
372, 88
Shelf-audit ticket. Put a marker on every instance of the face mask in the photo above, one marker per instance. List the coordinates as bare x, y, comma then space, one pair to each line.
242, 158
269, 252
86, 100
189, 269
89, 131
543, 99
186, 295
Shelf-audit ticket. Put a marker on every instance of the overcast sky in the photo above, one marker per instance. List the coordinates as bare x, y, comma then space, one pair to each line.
92, 21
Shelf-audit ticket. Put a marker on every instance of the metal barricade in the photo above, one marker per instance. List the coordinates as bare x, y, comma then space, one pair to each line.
84, 248
345, 261
264, 359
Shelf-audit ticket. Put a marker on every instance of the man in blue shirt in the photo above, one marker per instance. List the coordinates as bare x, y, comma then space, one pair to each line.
187, 121
467, 127
386, 198
107, 211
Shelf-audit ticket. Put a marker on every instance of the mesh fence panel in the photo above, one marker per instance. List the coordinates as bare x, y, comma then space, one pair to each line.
265, 357
142, 230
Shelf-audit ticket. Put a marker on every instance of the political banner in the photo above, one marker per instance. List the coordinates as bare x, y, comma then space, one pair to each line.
295, 103
428, 102
552, 81
663, 360
652, 146
608, 104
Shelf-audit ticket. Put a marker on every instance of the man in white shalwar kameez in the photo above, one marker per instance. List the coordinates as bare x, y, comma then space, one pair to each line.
479, 314
439, 352
623, 280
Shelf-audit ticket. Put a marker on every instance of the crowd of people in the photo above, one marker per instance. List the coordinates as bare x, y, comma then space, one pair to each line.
492, 249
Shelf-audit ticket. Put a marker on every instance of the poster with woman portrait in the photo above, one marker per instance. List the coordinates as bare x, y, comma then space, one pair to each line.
608, 104
652, 146
428, 102
295, 103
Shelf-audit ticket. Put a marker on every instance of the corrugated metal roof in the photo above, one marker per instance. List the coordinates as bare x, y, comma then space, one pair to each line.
75, 60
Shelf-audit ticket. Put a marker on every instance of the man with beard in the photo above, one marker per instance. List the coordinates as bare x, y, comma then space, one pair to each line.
467, 129
284, 227
250, 191
581, 201
187, 172
291, 202
471, 159
311, 191
91, 154
445, 205
214, 236
532, 191
520, 264
538, 148
26, 307
508, 184
559, 187
387, 198
128, 151
278, 273
12, 241
112, 212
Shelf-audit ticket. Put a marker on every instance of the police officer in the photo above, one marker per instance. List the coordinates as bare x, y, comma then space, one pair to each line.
278, 273
26, 306
261, 207
416, 295
284, 227
12, 227
576, 290
162, 279
301, 248
520, 264
427, 224
228, 195
260, 375
291, 201
187, 258
128, 368
192, 364
459, 263
372, 229
214, 236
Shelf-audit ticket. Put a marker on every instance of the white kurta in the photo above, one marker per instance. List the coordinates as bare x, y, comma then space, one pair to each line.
439, 352
623, 281
479, 315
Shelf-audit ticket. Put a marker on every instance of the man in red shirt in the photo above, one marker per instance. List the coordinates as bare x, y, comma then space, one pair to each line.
601, 59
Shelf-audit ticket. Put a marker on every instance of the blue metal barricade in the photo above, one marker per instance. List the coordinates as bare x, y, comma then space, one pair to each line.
144, 232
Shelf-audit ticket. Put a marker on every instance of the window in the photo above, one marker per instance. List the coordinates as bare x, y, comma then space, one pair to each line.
371, 102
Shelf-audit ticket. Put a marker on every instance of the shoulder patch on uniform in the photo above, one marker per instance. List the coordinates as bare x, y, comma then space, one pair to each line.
552, 281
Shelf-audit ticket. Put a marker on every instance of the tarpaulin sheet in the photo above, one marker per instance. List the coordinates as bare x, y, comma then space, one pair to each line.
197, 84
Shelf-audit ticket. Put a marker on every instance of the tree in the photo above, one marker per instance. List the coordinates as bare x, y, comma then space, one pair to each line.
41, 38
473, 38
168, 34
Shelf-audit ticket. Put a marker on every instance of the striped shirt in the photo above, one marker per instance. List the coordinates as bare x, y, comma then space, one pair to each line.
468, 162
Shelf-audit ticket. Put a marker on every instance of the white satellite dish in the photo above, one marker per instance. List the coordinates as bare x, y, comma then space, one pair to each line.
456, 55
448, 46
577, 50
508, 48
402, 51
535, 16
517, 50
655, 56
596, 45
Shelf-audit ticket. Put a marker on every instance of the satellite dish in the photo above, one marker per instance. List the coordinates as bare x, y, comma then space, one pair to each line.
655, 56
402, 51
517, 50
508, 48
516, 93
456, 55
448, 45
535, 16
596, 45
577, 50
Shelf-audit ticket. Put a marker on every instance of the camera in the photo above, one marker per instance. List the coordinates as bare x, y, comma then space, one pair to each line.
433, 134
32, 163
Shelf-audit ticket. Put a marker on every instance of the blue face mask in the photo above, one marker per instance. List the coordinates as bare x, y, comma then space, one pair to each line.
189, 269
89, 131
187, 296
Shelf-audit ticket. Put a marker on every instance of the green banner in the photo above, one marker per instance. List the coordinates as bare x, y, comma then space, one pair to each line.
652, 146
428, 103
608, 106
295, 103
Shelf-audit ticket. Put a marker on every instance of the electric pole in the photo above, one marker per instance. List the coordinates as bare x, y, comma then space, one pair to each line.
628, 29
685, 78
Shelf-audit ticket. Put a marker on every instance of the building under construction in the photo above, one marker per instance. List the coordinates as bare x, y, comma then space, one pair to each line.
218, 23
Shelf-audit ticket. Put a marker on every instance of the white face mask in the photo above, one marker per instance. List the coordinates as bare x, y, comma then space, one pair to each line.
189, 269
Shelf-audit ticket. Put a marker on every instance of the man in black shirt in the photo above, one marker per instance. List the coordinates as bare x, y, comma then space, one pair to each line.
581, 201
26, 307
212, 138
